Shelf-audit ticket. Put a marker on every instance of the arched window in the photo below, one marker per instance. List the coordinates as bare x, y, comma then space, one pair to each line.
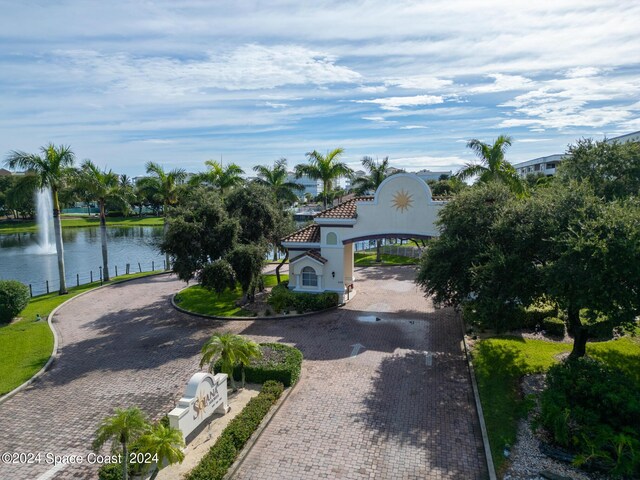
309, 277
332, 238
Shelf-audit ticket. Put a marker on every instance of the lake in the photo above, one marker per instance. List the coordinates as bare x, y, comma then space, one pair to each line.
82, 254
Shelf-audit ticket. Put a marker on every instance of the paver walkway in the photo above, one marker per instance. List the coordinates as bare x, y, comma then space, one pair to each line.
385, 413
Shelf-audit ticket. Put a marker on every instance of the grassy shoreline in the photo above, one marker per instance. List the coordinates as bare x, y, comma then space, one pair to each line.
27, 344
29, 226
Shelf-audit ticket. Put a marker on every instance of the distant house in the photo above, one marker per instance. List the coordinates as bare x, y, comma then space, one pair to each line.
548, 165
4, 172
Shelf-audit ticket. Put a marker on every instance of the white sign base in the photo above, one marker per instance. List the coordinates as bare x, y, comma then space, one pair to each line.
205, 394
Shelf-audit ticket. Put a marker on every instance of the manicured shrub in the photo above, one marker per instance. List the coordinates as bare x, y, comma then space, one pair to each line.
281, 298
110, 471
217, 276
14, 297
553, 326
279, 362
593, 411
222, 454
535, 314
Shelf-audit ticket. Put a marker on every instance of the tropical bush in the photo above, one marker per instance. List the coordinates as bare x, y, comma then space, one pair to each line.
593, 411
223, 453
278, 362
281, 298
14, 297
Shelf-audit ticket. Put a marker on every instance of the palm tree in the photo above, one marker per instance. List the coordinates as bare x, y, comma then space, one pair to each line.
250, 350
370, 183
51, 168
220, 176
276, 179
124, 427
165, 443
327, 168
493, 165
103, 186
165, 187
229, 348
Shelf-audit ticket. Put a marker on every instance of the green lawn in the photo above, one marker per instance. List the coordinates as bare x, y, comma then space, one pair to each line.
27, 344
79, 222
500, 362
200, 300
368, 259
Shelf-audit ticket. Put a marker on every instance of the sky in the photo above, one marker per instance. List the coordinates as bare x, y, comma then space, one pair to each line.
181, 82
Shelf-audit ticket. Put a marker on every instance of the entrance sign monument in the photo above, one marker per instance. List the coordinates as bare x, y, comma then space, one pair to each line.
205, 394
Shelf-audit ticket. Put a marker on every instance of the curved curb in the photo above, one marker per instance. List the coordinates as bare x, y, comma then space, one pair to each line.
54, 352
476, 395
270, 317
255, 436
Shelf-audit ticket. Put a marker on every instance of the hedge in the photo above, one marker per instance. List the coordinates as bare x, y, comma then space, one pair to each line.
553, 326
284, 368
224, 452
281, 298
14, 297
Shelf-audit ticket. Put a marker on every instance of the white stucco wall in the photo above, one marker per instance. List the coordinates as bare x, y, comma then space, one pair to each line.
384, 216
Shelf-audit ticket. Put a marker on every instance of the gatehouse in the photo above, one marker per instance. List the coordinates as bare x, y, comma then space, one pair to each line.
321, 254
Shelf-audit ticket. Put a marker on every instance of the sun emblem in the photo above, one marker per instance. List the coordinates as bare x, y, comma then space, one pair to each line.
402, 200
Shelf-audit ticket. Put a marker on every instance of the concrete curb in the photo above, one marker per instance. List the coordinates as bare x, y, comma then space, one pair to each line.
270, 317
476, 395
54, 352
256, 435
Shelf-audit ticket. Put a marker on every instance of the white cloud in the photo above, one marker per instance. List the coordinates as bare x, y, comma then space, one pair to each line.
247, 67
419, 82
372, 88
413, 127
429, 162
503, 83
395, 103
582, 72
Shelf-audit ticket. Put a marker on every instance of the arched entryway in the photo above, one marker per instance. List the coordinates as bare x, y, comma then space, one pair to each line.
402, 207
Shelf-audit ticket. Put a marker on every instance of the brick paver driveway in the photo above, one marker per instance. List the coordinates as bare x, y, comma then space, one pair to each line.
400, 408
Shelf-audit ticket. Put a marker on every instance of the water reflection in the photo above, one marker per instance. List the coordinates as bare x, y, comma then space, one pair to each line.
82, 253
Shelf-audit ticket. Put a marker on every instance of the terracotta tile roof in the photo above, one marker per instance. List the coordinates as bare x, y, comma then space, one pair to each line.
308, 234
315, 254
441, 198
345, 210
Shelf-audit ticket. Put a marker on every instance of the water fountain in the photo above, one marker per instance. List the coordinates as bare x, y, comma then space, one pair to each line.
44, 217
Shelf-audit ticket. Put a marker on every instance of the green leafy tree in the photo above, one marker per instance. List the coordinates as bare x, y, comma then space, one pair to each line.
612, 169
465, 223
377, 173
257, 212
327, 168
493, 166
227, 347
592, 264
164, 187
247, 262
50, 169
103, 186
222, 177
199, 230
20, 198
275, 179
122, 428
165, 443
